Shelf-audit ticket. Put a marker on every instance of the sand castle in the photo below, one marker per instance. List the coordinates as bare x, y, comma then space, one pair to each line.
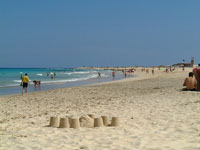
64, 123
88, 121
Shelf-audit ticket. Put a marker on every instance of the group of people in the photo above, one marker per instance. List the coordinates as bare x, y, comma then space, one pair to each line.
147, 70
53, 75
169, 69
25, 80
24, 83
192, 82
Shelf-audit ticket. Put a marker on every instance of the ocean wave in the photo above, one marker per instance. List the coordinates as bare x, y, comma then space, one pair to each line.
18, 81
71, 80
9, 85
84, 72
39, 74
85, 77
104, 75
70, 73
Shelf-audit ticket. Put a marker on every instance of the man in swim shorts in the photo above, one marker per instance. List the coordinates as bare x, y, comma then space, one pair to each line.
25, 80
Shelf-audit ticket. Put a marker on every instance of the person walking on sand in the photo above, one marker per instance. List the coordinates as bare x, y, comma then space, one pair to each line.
152, 71
25, 80
190, 83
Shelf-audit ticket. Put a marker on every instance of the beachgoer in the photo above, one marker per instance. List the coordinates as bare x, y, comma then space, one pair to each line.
51, 76
54, 74
147, 71
122, 71
99, 74
153, 71
125, 74
25, 80
113, 74
21, 76
196, 72
170, 68
183, 68
190, 83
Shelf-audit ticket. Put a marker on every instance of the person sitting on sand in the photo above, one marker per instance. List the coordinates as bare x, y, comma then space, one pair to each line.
190, 83
196, 72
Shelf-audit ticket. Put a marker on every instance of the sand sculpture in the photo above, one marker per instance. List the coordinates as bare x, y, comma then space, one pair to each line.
88, 121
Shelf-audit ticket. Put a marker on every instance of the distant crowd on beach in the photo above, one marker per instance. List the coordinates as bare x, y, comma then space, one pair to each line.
165, 69
191, 83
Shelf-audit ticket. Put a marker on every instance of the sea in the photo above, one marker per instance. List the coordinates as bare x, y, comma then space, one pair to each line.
51, 78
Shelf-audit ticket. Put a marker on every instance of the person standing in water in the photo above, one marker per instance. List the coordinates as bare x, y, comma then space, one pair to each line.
113, 74
99, 75
52, 75
125, 74
25, 80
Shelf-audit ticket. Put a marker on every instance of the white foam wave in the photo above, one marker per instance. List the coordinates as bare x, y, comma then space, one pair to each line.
18, 81
39, 74
9, 85
70, 73
104, 75
71, 80
90, 76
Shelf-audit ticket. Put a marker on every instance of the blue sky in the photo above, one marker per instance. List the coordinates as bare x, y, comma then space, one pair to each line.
74, 33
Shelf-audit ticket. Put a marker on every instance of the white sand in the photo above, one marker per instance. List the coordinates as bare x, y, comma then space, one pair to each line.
155, 115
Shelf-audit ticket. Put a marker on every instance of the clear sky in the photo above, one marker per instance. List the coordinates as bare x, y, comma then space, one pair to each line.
72, 33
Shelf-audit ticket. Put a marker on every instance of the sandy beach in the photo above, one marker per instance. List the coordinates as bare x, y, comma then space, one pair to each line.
154, 115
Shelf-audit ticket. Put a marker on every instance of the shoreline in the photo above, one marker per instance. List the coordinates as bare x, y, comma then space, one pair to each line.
57, 85
136, 76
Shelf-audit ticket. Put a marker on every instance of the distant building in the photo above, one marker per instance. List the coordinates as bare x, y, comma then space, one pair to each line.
191, 64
